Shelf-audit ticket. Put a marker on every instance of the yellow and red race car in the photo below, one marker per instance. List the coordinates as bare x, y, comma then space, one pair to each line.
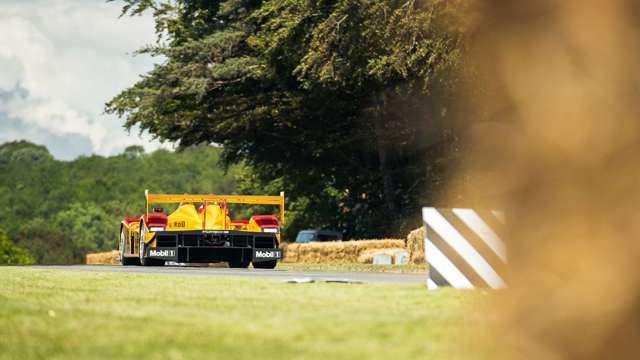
201, 231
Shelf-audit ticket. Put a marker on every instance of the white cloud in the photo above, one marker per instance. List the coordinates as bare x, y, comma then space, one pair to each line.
67, 58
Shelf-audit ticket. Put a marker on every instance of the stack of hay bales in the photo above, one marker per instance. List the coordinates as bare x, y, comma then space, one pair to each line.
104, 258
336, 251
415, 246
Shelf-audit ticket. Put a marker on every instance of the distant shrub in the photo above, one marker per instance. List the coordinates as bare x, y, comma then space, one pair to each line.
10, 254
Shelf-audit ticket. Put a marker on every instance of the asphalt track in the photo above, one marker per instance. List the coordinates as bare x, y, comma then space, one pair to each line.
284, 275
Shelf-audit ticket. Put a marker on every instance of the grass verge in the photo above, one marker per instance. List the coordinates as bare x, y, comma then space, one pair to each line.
69, 314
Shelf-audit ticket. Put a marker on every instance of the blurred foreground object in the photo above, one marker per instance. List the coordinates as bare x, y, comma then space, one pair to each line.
555, 142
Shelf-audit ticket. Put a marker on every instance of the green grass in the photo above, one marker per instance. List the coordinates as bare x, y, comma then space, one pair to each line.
71, 314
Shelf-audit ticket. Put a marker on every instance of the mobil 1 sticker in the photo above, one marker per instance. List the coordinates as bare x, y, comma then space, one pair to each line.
162, 253
267, 254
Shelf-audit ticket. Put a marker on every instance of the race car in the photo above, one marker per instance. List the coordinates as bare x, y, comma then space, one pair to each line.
201, 231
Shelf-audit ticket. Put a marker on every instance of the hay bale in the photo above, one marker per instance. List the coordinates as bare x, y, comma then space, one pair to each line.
415, 246
366, 256
290, 252
109, 257
336, 251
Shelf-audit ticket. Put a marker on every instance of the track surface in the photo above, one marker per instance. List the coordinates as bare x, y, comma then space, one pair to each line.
284, 275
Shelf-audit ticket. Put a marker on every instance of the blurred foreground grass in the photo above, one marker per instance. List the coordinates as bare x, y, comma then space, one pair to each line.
61, 314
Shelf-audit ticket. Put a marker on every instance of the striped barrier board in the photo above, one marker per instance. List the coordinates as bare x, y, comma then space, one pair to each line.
463, 248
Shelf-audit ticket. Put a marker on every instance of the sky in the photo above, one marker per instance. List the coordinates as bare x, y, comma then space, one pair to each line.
60, 61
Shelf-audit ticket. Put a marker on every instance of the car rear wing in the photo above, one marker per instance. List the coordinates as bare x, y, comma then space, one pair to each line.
229, 199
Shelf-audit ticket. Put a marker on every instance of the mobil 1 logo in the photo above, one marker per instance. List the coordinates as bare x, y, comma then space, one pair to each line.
162, 253
267, 254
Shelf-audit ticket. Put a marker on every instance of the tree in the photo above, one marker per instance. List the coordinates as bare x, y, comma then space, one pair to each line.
47, 244
10, 254
133, 152
345, 104
88, 228
23, 151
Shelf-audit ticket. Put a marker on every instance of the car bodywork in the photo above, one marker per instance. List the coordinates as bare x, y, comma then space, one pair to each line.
202, 235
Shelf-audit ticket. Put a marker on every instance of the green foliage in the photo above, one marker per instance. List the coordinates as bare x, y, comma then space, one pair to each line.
10, 254
46, 243
88, 226
133, 152
23, 151
58, 211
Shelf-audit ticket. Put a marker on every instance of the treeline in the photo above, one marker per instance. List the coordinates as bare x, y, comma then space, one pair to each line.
54, 212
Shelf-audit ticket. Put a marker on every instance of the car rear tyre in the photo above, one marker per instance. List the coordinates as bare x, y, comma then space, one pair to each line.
271, 264
142, 251
125, 261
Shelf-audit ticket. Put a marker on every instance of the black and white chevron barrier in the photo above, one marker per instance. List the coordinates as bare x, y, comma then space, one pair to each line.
463, 248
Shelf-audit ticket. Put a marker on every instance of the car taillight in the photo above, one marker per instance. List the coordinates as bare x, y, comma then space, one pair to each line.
271, 230
156, 228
